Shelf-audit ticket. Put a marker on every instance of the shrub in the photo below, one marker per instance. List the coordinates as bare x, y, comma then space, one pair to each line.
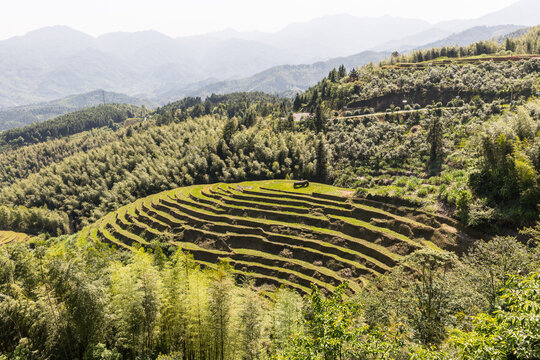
401, 182
361, 192
463, 206
422, 192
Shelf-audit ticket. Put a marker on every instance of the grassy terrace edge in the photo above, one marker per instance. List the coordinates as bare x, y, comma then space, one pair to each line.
275, 234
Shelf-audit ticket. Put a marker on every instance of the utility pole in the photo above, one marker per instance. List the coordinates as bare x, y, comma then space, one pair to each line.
103, 93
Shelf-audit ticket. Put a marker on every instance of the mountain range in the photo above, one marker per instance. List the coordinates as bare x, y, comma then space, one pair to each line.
56, 62
287, 80
523, 12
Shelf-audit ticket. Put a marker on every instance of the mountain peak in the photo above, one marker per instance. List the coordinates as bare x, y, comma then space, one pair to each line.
56, 32
522, 12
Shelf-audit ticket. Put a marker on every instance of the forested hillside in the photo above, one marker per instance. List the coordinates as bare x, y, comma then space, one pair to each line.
19, 116
457, 136
91, 173
70, 124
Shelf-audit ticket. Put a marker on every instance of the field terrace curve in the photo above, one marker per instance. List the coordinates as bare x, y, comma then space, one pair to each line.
7, 237
279, 235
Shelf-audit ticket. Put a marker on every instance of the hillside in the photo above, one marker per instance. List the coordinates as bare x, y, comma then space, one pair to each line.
54, 62
416, 78
437, 37
25, 115
474, 34
277, 234
287, 80
73, 123
178, 233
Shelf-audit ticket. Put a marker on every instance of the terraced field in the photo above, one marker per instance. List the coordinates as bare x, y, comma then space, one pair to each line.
465, 60
278, 235
10, 236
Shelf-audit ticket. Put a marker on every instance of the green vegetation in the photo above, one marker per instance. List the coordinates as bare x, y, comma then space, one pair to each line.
463, 144
73, 297
73, 123
11, 236
378, 89
193, 242
19, 116
475, 165
314, 235
33, 221
507, 46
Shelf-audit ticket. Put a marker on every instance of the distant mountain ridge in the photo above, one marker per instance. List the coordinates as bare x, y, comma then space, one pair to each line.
523, 12
287, 80
27, 114
477, 33
55, 62
284, 80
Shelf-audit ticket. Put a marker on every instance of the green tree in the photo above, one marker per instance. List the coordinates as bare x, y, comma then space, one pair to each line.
342, 72
297, 104
512, 331
328, 326
251, 324
230, 128
250, 118
174, 305
135, 291
491, 263
319, 119
323, 159
431, 294
435, 140
220, 308
509, 45
287, 314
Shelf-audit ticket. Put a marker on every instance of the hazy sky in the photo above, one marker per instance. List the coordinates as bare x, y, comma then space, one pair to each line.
188, 17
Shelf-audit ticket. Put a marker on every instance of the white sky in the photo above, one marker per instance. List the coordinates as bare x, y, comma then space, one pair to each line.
189, 17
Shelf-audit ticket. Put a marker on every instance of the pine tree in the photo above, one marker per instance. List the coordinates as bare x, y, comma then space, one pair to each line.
323, 159
333, 76
509, 45
297, 103
435, 140
320, 119
342, 72
250, 118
